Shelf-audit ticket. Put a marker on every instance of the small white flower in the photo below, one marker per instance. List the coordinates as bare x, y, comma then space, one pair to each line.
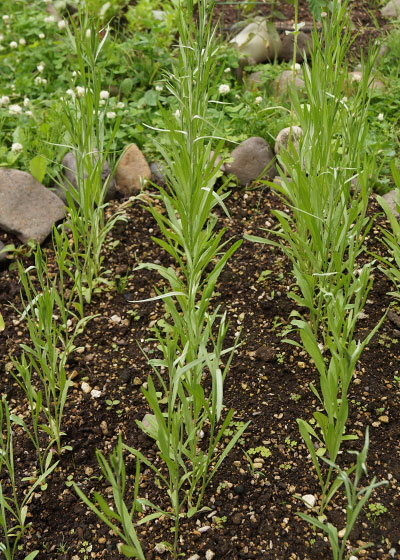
323, 14
44, 81
102, 102
120, 104
22, 41
13, 45
4, 100
80, 91
1, 37
258, 100
16, 148
88, 33
227, 70
296, 67
41, 35
380, 117
61, 24
104, 94
6, 19
344, 99
70, 92
29, 114
26, 102
40, 67
37, 80
49, 19
74, 74
15, 109
224, 89
159, 88
177, 114
111, 115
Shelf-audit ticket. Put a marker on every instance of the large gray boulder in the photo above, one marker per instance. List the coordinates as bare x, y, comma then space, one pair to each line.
259, 41
392, 9
70, 173
251, 159
27, 209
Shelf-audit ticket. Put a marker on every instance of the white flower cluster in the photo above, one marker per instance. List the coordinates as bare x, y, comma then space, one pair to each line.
224, 89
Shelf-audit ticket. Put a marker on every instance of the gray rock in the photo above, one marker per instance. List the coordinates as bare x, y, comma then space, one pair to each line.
158, 174
258, 41
285, 82
356, 77
251, 159
391, 199
27, 209
254, 79
282, 140
70, 173
392, 9
303, 50
3, 254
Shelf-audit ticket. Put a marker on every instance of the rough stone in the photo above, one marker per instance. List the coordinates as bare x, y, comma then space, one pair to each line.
27, 208
131, 169
158, 174
70, 173
282, 140
285, 81
391, 199
251, 159
392, 9
3, 254
259, 41
303, 50
254, 79
356, 76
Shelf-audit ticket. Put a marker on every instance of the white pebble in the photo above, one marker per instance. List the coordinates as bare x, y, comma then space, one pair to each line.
95, 393
194, 557
309, 500
210, 554
204, 529
86, 388
115, 318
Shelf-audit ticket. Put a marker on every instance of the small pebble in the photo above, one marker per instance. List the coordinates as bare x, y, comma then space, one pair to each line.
210, 554
115, 319
86, 388
88, 471
95, 393
137, 381
309, 500
204, 529
104, 427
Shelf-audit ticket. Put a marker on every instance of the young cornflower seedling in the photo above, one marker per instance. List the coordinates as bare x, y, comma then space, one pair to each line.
84, 120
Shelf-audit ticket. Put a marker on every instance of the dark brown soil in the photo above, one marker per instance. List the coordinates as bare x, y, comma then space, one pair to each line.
255, 515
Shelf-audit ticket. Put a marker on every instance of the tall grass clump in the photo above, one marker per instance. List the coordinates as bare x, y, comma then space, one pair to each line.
188, 421
325, 183
41, 370
83, 117
13, 510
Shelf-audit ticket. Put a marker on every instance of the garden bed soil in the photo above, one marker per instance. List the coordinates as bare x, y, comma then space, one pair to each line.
254, 514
